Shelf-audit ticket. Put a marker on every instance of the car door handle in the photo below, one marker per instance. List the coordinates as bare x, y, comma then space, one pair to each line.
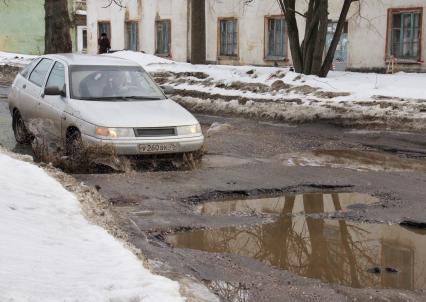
24, 86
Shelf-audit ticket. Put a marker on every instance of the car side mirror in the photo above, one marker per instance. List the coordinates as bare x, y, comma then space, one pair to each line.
54, 90
168, 90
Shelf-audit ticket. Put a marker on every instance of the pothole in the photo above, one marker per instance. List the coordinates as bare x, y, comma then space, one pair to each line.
334, 251
312, 203
352, 159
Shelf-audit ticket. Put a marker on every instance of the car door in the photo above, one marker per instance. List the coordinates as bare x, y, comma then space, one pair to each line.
52, 107
20, 82
31, 90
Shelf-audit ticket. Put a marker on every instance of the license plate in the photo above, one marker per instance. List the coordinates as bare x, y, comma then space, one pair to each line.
154, 148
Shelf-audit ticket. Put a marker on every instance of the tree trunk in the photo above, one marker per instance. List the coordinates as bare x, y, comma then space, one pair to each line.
198, 32
328, 61
288, 7
57, 38
308, 56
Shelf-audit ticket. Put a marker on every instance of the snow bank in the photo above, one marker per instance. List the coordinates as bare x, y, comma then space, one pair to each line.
15, 59
49, 252
140, 57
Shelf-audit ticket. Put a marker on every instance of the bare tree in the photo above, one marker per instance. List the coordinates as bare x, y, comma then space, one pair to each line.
308, 55
57, 37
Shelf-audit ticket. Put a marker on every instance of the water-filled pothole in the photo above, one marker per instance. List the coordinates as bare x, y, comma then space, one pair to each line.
289, 204
335, 251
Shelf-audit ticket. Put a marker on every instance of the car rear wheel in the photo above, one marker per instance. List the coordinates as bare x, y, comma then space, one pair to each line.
22, 135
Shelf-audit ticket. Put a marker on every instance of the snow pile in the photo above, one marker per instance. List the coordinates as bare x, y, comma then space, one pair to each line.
15, 59
49, 252
141, 58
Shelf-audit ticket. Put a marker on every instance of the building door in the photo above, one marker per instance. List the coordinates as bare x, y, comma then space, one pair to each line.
340, 61
82, 39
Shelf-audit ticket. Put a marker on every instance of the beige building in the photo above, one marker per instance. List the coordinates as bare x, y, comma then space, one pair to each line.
377, 33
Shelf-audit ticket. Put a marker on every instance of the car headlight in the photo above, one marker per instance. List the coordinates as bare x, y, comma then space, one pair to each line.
114, 132
188, 130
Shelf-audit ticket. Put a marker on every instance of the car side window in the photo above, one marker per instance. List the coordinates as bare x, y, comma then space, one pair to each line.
57, 76
39, 73
24, 72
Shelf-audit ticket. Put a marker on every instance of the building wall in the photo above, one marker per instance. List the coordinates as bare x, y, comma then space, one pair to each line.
251, 26
22, 26
146, 12
367, 29
368, 34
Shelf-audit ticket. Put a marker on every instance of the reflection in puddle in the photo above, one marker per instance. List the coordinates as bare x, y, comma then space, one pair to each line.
229, 291
330, 250
352, 159
312, 202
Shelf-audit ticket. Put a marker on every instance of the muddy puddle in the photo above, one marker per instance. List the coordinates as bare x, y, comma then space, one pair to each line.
312, 203
352, 159
334, 251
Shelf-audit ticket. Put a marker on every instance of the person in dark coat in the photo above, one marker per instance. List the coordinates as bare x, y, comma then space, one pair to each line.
103, 44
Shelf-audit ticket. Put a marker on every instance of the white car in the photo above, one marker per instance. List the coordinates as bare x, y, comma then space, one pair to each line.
101, 100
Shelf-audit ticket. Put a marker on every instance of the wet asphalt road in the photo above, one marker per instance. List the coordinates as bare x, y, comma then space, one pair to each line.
251, 157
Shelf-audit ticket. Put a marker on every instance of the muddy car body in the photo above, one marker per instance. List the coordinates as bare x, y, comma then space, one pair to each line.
101, 100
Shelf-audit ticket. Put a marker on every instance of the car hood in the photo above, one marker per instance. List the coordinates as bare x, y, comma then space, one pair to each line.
130, 114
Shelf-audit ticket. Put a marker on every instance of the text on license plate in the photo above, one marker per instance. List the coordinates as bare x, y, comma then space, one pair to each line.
147, 148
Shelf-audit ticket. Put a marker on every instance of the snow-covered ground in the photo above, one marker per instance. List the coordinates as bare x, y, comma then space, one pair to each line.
360, 85
50, 252
15, 59
389, 100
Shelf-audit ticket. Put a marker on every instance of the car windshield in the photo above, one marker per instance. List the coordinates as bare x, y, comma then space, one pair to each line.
112, 83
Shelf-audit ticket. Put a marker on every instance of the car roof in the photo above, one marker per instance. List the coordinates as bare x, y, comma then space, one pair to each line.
82, 59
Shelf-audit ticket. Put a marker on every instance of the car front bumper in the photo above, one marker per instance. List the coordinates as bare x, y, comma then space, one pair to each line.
132, 146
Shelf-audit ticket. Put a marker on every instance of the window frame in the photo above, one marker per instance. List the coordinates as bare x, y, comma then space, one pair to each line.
169, 54
389, 27
65, 75
45, 76
126, 37
219, 39
266, 57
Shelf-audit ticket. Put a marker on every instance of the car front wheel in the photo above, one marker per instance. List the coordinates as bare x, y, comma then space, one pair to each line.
22, 135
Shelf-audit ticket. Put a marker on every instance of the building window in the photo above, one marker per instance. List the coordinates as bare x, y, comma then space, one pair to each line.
228, 37
276, 38
405, 31
104, 27
163, 37
132, 35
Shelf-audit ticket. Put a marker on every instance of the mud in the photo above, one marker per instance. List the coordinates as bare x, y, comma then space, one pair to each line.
353, 159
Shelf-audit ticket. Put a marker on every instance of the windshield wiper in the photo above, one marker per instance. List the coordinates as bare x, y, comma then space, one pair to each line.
141, 97
132, 97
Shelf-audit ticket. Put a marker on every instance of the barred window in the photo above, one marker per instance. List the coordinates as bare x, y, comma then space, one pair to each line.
163, 37
405, 35
276, 40
228, 37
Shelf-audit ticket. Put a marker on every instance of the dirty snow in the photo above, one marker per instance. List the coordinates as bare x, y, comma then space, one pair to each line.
15, 59
140, 58
350, 98
50, 252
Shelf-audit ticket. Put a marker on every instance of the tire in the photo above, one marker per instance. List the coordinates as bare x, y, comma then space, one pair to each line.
22, 135
74, 144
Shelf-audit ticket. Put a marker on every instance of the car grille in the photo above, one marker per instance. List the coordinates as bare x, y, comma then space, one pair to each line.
153, 132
